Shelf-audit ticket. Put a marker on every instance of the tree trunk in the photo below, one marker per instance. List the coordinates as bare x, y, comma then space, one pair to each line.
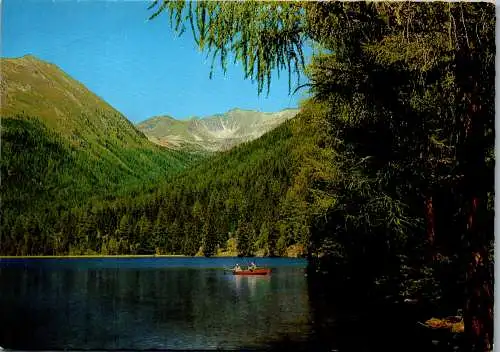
431, 234
478, 312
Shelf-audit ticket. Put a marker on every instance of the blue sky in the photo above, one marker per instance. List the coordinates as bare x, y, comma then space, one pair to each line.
140, 67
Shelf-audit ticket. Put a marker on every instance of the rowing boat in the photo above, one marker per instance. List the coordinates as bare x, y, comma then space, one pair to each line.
261, 271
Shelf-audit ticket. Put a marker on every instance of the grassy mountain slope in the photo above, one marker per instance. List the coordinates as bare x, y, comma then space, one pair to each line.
32, 87
213, 133
62, 145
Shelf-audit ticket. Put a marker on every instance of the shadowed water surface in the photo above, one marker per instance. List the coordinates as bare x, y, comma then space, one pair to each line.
150, 303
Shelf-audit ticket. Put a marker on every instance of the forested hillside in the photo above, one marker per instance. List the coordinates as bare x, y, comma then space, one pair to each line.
252, 200
61, 146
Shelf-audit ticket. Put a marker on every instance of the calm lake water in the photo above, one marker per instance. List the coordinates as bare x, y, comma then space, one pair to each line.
150, 303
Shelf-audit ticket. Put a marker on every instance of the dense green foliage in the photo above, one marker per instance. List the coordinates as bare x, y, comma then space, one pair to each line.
412, 106
398, 121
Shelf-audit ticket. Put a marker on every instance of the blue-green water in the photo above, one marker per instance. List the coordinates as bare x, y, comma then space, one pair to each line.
150, 303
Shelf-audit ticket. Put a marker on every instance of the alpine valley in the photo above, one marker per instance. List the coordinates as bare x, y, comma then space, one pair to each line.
78, 177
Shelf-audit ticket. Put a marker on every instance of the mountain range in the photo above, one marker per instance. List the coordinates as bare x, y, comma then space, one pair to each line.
213, 133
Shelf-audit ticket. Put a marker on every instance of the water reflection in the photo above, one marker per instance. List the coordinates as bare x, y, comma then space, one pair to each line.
157, 308
252, 284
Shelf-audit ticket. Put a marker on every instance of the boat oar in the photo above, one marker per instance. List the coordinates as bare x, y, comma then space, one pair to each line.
228, 269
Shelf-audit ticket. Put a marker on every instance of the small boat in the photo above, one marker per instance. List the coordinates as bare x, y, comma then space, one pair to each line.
258, 271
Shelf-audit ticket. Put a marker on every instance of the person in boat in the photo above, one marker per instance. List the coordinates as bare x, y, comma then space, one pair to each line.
237, 268
252, 266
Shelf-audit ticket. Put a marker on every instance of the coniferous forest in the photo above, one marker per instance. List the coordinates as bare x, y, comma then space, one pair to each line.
249, 194
384, 180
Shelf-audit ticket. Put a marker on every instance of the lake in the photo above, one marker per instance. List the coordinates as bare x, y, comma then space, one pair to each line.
150, 303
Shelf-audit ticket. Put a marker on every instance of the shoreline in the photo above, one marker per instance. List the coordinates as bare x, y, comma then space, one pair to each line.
123, 256
91, 256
